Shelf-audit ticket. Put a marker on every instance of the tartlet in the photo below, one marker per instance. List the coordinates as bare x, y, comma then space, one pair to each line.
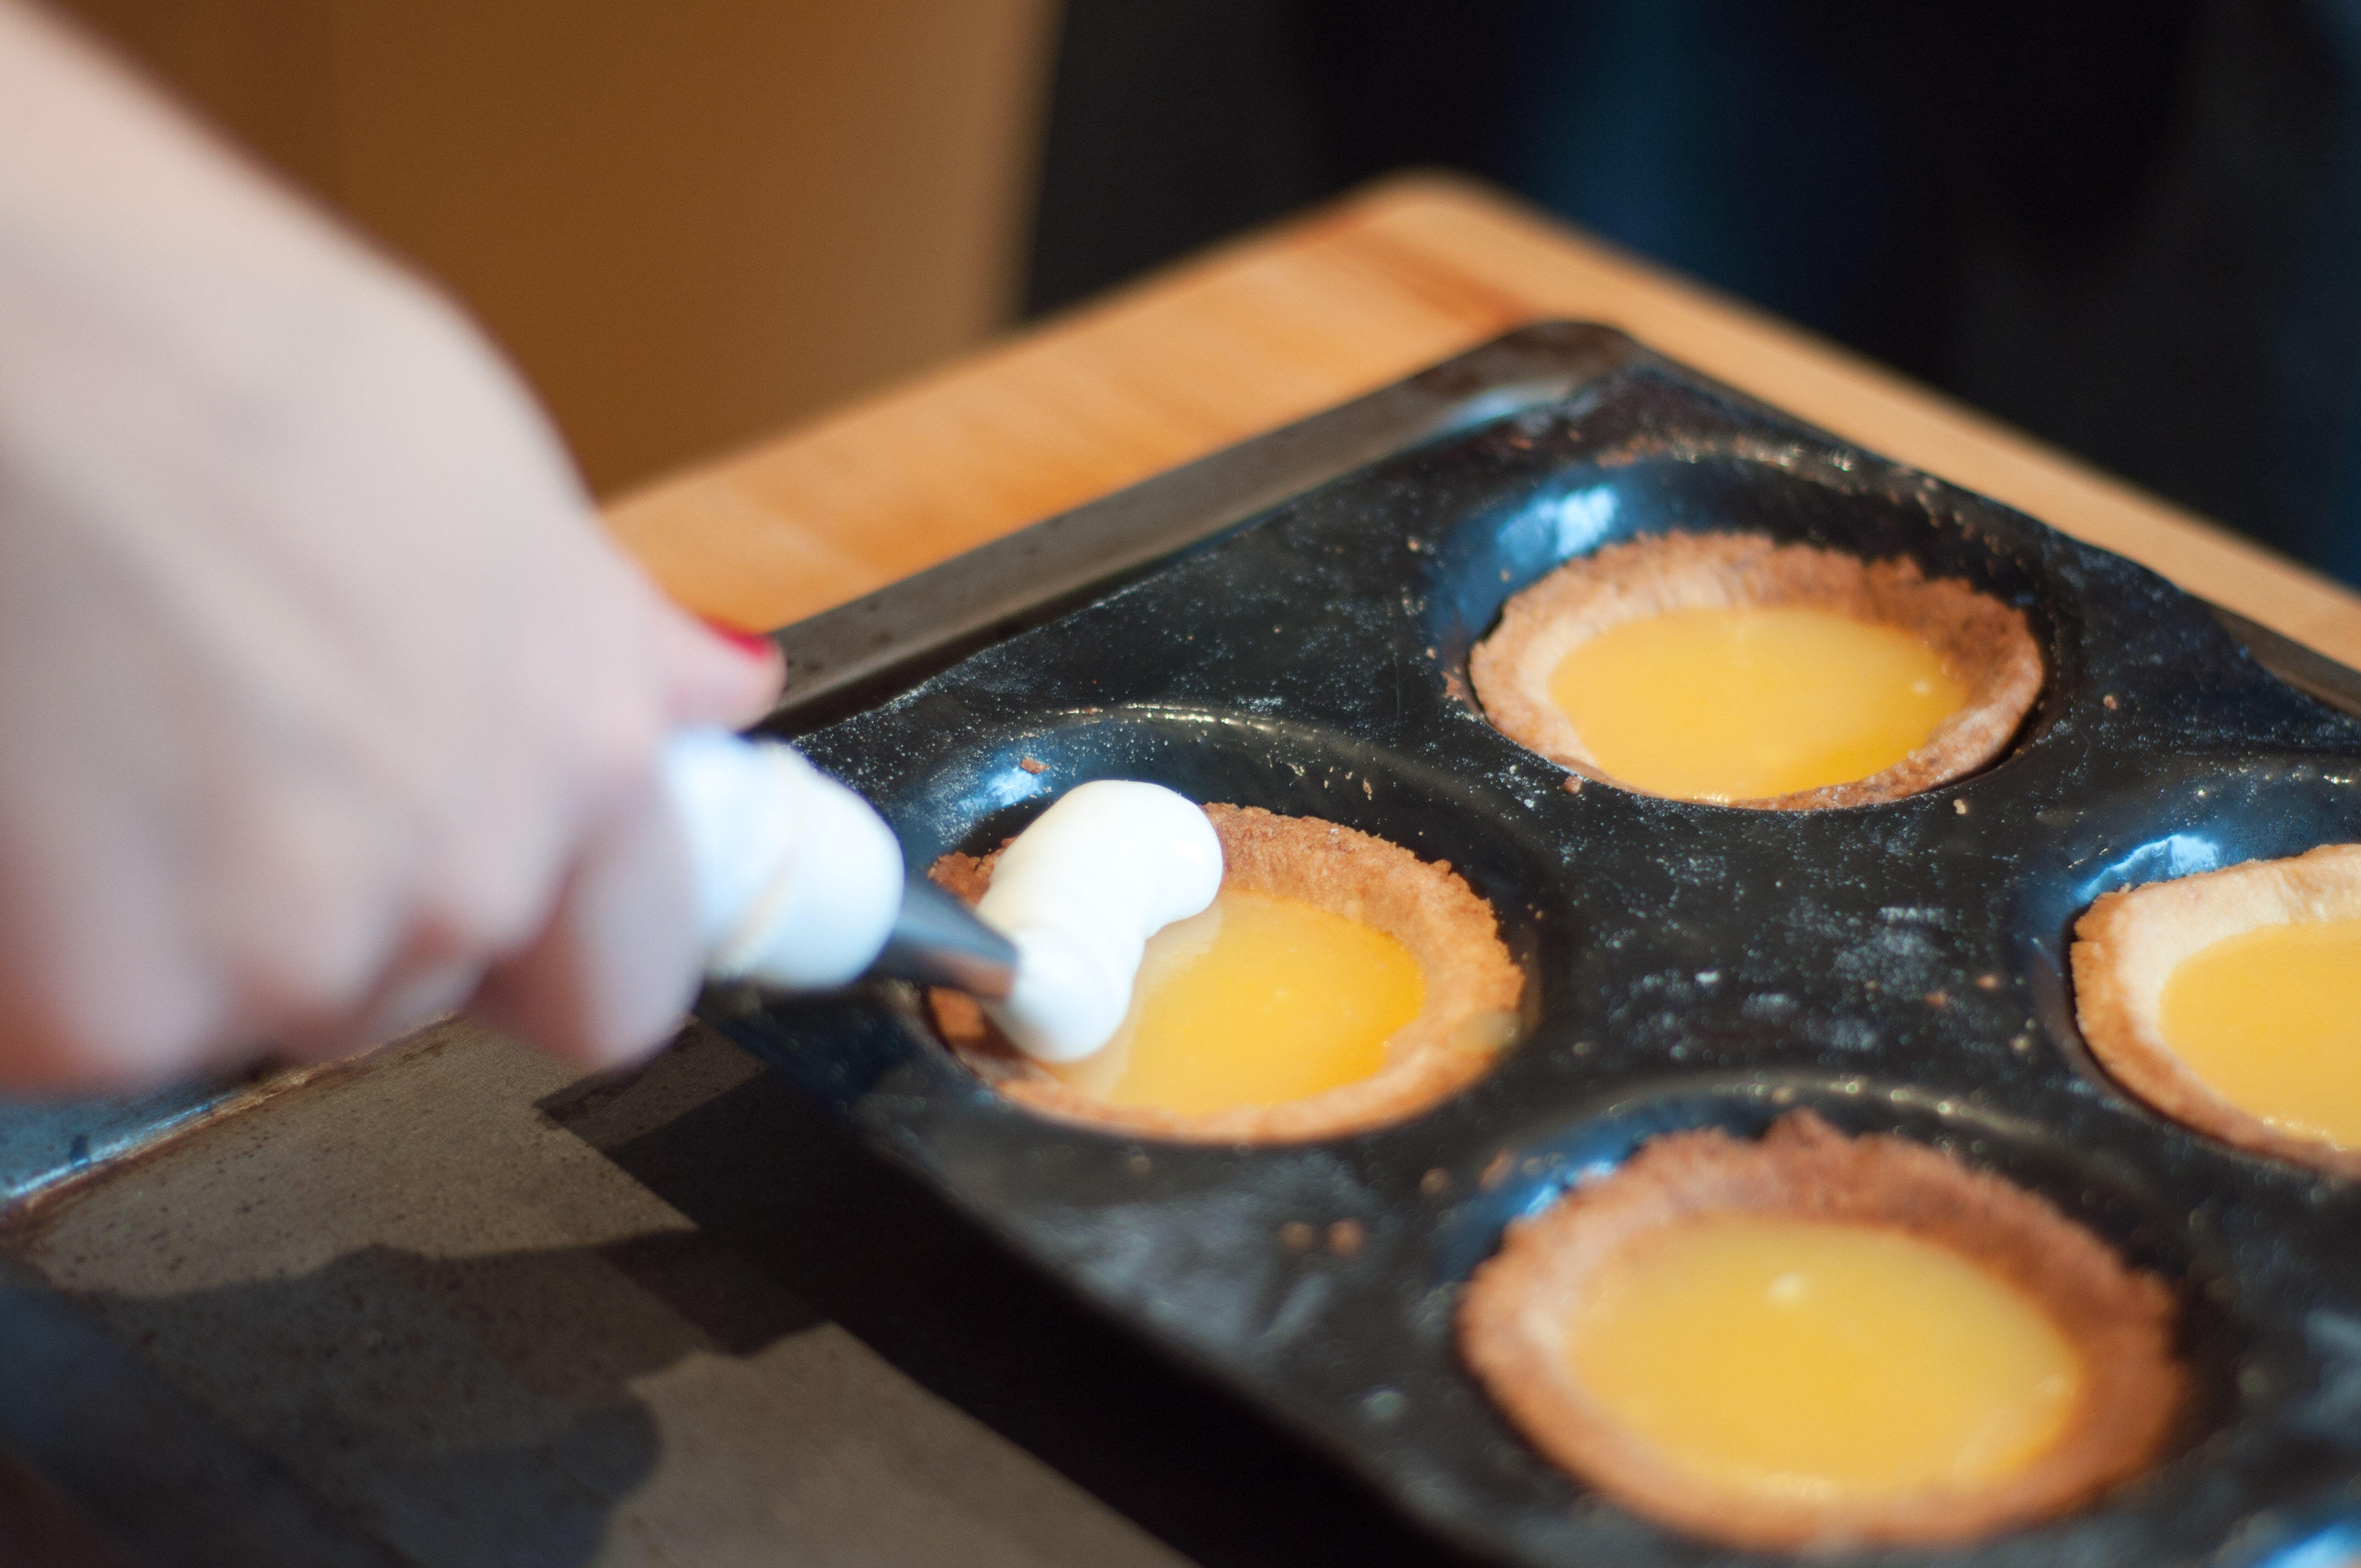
1514, 1315
1984, 644
1473, 987
2126, 945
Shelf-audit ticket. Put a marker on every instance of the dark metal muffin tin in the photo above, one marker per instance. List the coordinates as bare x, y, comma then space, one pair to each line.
1895, 968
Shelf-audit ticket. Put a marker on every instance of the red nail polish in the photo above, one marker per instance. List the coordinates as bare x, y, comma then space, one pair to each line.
750, 642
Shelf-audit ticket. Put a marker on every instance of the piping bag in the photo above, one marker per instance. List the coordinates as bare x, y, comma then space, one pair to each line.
800, 886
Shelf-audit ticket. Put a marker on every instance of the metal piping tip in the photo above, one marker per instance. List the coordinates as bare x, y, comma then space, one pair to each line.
938, 940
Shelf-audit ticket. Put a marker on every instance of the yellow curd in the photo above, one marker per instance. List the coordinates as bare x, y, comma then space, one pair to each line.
1721, 704
1257, 1000
2270, 1019
1808, 1357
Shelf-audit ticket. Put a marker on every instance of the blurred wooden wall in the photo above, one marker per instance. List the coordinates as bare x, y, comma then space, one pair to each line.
690, 221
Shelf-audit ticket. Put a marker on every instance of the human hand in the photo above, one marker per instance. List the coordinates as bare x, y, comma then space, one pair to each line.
326, 705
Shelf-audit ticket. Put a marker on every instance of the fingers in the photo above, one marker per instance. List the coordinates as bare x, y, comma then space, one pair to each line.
617, 963
611, 972
405, 999
713, 675
328, 703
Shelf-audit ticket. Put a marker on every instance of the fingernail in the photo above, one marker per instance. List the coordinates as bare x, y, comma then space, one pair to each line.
752, 643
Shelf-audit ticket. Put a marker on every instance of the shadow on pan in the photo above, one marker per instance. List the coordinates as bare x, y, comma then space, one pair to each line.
773, 1179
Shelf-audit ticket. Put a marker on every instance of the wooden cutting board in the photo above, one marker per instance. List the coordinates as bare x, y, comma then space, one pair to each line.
1282, 323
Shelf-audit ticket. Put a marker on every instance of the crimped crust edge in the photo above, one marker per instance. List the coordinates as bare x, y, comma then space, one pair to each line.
1512, 1313
1425, 905
2128, 943
1986, 645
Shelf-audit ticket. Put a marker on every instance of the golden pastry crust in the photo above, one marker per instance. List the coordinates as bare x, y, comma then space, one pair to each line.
1513, 1314
2126, 945
1984, 644
1472, 987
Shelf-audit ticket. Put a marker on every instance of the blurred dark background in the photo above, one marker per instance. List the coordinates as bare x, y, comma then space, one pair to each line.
2133, 229
2131, 226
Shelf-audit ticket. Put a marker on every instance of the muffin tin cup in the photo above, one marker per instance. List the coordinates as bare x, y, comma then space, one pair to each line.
1894, 967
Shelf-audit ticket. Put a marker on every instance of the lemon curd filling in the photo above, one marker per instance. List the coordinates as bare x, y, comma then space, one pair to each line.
1746, 703
1818, 1358
2270, 1019
1258, 1000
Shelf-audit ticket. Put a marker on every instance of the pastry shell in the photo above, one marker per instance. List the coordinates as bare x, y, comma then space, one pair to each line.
2126, 945
1985, 644
1472, 987
1513, 1313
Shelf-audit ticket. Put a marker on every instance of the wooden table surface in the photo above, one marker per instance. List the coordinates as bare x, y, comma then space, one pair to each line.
1283, 324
